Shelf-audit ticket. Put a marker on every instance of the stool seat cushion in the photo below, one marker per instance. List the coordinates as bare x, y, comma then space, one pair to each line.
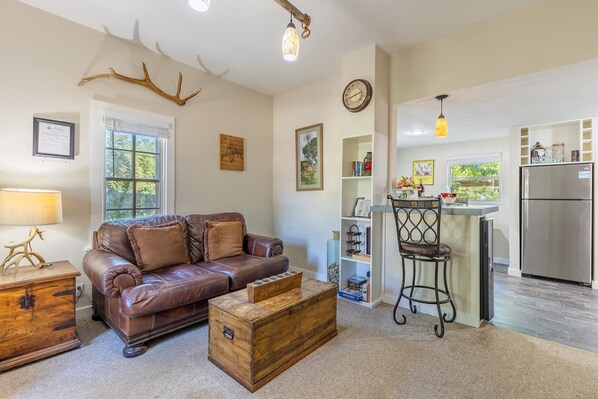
425, 250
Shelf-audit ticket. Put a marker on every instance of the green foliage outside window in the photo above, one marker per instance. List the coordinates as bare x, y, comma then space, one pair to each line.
132, 175
479, 182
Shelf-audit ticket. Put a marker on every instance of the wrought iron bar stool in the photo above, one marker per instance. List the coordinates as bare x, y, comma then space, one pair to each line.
418, 233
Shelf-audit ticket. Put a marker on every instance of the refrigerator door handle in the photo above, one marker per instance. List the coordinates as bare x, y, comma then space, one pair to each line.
525, 181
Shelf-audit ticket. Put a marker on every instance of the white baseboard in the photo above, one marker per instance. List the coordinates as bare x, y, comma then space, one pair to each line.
84, 311
514, 272
501, 261
310, 274
595, 285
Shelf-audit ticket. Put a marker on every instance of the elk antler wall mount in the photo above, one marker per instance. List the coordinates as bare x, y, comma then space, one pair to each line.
145, 82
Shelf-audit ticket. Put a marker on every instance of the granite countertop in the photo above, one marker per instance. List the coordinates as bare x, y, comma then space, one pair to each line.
468, 210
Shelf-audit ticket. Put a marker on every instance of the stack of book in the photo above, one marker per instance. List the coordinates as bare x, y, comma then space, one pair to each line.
358, 289
351, 294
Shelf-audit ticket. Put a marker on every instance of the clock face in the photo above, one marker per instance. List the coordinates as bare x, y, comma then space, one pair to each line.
357, 95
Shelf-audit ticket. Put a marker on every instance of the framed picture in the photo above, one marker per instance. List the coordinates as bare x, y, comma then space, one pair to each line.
308, 158
53, 139
423, 172
232, 153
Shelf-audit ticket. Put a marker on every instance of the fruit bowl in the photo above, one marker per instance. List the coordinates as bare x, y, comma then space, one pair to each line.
448, 198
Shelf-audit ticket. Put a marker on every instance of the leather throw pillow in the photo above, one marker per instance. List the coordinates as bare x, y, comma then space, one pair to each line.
158, 246
222, 239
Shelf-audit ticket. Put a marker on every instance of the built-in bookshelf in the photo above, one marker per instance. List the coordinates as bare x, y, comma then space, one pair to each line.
361, 231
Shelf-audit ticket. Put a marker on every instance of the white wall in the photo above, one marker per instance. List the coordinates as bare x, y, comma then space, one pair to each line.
440, 153
304, 220
43, 59
547, 35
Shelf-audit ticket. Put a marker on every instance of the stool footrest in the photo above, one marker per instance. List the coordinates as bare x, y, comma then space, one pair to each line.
419, 300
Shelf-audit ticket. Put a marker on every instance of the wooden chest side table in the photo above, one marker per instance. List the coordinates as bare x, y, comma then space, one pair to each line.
37, 314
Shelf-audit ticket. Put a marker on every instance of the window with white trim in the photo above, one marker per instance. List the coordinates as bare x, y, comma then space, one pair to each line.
135, 167
477, 177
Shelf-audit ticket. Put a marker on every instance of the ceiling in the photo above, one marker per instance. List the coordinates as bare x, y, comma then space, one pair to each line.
240, 39
488, 111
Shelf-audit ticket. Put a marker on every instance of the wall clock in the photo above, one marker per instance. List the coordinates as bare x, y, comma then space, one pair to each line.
357, 95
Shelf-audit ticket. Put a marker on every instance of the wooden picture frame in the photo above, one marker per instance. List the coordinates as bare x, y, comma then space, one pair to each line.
423, 172
309, 159
232, 153
54, 139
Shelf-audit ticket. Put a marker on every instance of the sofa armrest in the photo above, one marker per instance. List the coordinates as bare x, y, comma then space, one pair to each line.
265, 247
109, 273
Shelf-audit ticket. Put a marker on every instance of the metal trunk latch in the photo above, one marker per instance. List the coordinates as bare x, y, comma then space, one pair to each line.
27, 301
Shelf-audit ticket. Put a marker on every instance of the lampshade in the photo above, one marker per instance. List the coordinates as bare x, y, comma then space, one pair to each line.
290, 43
199, 5
30, 207
441, 127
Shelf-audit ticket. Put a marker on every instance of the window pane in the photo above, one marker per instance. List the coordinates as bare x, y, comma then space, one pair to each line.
117, 215
479, 181
108, 139
146, 212
146, 166
123, 164
146, 143
123, 141
148, 195
119, 194
109, 166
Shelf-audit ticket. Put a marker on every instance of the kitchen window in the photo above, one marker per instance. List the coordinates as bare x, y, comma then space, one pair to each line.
477, 177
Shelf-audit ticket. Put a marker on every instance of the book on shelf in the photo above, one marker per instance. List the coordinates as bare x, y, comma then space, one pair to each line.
348, 293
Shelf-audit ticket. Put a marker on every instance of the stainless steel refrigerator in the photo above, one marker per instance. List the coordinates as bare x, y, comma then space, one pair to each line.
557, 221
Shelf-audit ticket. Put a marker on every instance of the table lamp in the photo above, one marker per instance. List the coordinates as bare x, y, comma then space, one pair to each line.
27, 207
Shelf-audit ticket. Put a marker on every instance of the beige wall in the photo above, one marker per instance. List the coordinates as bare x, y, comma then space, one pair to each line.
440, 153
548, 35
306, 219
43, 57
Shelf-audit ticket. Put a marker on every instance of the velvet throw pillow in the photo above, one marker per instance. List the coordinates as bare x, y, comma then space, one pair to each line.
222, 239
158, 246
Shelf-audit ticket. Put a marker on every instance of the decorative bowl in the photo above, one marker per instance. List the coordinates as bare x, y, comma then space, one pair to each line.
448, 198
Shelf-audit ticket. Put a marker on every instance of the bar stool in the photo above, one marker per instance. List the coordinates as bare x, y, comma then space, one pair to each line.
418, 233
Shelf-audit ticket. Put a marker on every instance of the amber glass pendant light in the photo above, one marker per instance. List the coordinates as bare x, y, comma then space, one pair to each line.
441, 125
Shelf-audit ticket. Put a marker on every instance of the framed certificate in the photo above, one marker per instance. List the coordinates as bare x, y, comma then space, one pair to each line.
54, 139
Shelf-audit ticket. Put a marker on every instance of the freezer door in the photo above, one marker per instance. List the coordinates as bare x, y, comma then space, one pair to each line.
557, 181
556, 239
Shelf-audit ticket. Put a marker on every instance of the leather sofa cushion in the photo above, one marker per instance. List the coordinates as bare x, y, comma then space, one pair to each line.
195, 226
159, 246
171, 287
244, 269
222, 239
112, 235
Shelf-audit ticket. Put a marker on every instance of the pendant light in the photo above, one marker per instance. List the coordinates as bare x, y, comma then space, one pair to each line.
290, 42
441, 125
199, 5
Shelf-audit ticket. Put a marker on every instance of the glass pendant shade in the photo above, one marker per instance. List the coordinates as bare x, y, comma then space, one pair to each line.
290, 43
199, 5
441, 127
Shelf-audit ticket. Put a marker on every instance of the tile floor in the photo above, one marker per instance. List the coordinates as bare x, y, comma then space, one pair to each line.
557, 311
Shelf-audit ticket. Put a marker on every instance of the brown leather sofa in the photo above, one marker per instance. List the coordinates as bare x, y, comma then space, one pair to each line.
140, 306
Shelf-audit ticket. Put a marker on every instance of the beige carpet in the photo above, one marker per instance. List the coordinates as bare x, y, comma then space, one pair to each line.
370, 358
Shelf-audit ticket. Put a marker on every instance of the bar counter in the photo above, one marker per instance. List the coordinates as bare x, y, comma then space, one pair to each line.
460, 229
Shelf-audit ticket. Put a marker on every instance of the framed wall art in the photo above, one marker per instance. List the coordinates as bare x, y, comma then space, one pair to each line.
309, 157
53, 139
423, 172
232, 153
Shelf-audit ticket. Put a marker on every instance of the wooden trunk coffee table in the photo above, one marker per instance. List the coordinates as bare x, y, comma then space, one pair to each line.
255, 342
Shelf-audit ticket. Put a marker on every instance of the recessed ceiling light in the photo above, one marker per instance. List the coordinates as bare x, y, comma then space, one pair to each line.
415, 132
